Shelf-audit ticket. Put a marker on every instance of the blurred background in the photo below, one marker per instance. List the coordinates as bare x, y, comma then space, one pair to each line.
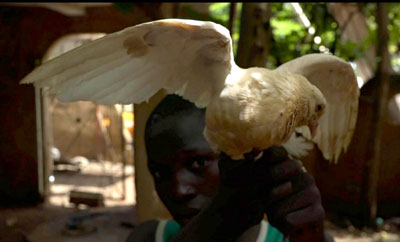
67, 169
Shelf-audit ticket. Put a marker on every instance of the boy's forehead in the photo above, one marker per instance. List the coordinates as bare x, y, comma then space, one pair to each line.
179, 132
182, 122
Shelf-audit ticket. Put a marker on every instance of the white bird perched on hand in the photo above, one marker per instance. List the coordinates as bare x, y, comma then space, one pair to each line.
247, 109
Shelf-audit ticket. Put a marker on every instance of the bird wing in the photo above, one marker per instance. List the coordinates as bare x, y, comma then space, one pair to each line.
337, 81
187, 57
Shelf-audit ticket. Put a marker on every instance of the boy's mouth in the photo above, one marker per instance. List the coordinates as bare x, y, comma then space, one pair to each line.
185, 218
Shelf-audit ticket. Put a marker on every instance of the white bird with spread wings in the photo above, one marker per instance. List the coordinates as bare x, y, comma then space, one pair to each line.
247, 109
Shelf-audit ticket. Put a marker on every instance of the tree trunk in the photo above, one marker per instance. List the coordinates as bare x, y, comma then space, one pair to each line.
255, 35
384, 69
232, 17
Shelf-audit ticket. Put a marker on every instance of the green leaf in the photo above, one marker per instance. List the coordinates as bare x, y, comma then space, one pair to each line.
285, 27
220, 11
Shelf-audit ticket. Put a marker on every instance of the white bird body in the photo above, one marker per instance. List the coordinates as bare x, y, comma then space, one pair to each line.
246, 108
258, 109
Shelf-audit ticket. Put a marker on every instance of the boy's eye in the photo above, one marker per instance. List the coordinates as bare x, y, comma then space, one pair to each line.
198, 164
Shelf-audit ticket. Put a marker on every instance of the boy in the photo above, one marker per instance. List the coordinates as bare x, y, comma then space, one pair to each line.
214, 198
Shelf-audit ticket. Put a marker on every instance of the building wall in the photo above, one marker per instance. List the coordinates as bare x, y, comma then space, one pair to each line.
76, 131
26, 34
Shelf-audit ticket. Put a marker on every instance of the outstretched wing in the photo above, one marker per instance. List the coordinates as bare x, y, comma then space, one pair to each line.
188, 57
337, 81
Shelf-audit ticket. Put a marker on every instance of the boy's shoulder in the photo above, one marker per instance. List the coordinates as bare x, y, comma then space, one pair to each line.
144, 232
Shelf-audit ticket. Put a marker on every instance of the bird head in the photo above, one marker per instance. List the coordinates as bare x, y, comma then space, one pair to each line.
317, 106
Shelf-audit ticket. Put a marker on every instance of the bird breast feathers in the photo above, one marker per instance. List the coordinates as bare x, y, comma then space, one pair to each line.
260, 109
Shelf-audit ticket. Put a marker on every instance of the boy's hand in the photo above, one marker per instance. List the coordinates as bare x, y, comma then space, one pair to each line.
292, 200
281, 187
237, 195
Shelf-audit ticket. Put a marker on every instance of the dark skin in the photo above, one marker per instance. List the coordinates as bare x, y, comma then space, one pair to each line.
215, 198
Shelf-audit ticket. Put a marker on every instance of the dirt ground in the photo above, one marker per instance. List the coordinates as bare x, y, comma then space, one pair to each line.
48, 223
60, 221
53, 224
351, 234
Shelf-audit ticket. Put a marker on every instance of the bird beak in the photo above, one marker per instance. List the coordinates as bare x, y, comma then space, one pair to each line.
313, 125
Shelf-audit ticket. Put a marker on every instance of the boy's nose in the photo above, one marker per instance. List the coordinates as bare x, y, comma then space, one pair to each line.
184, 186
183, 190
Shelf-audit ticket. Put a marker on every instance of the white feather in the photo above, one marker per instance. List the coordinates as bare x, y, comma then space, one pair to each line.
131, 65
298, 146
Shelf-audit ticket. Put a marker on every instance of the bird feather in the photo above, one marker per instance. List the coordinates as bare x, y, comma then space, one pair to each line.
335, 78
131, 65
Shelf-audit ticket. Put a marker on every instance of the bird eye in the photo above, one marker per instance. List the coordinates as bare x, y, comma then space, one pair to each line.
318, 108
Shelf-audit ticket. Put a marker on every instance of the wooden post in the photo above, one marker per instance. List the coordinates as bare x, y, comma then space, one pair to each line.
48, 143
123, 153
380, 105
148, 204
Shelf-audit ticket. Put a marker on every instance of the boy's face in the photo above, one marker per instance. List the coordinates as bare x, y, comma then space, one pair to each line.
184, 167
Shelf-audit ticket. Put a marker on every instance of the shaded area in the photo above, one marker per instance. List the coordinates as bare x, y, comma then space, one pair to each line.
342, 185
49, 223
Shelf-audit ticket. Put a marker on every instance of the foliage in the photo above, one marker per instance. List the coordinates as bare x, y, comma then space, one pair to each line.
292, 39
289, 35
369, 10
220, 11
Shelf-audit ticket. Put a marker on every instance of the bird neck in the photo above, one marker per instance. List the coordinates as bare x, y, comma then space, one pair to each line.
235, 75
